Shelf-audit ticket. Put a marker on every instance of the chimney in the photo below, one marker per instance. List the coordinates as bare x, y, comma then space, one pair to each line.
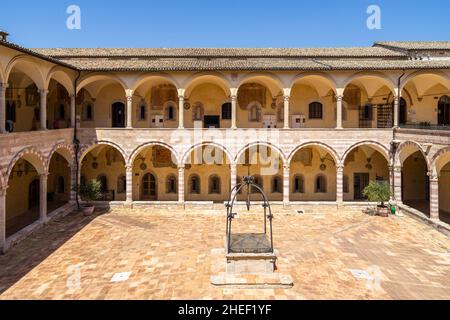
4, 36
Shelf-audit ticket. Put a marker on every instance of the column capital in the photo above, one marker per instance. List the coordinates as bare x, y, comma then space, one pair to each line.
396, 168
340, 167
3, 191
129, 93
287, 93
129, 167
339, 97
4, 85
44, 175
181, 168
286, 167
433, 176
234, 92
181, 93
43, 92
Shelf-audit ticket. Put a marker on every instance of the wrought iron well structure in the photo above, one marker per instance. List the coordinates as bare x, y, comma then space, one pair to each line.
253, 243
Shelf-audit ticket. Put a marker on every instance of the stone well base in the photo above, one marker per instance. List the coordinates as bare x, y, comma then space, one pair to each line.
252, 281
251, 263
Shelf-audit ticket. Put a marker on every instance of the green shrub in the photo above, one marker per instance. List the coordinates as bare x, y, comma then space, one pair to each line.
91, 191
379, 192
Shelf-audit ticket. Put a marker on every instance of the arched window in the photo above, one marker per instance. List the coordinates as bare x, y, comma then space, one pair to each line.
121, 184
60, 185
258, 182
142, 115
254, 112
298, 185
103, 182
321, 184
214, 184
277, 184
149, 186
315, 110
170, 111
194, 184
345, 187
226, 111
171, 184
444, 111
197, 112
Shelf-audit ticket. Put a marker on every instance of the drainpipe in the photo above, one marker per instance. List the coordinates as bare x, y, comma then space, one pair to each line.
76, 144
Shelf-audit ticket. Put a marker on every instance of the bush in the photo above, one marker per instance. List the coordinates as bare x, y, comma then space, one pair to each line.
379, 192
92, 191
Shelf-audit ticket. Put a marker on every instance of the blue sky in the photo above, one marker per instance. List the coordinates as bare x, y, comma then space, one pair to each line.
219, 23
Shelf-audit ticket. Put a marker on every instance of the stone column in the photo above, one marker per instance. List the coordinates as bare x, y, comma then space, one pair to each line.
286, 185
340, 183
287, 96
181, 184
234, 108
73, 182
434, 197
339, 98
43, 197
3, 87
3, 220
43, 110
129, 183
233, 175
397, 179
129, 95
72, 111
181, 108
396, 110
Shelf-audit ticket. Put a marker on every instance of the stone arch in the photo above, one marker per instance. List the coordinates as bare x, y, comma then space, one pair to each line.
67, 152
142, 147
60, 75
267, 79
158, 77
28, 66
328, 148
207, 77
2, 74
372, 74
385, 152
31, 155
3, 180
436, 73
88, 148
207, 143
400, 157
441, 155
91, 78
261, 143
318, 75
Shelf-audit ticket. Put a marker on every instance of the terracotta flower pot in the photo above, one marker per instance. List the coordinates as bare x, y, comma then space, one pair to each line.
88, 210
383, 211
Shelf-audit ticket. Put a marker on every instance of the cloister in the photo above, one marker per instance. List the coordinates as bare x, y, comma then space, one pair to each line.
155, 132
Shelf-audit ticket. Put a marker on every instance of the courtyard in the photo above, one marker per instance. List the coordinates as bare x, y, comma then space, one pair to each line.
172, 254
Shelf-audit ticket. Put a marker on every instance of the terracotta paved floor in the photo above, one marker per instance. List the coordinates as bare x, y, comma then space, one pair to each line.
172, 256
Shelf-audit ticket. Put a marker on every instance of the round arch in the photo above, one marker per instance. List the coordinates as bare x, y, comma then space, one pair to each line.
64, 150
28, 66
58, 74
32, 156
266, 144
269, 80
383, 78
154, 78
368, 143
2, 74
315, 76
324, 146
88, 148
408, 148
440, 159
204, 144
91, 78
207, 77
439, 75
146, 145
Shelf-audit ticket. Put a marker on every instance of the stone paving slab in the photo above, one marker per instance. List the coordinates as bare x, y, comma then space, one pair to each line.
162, 254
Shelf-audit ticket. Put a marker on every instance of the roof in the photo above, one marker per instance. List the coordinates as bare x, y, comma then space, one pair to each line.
220, 52
243, 64
416, 45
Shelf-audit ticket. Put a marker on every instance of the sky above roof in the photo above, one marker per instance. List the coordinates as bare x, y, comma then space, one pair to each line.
220, 23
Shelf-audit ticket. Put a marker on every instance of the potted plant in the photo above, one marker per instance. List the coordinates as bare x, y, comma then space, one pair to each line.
379, 192
89, 192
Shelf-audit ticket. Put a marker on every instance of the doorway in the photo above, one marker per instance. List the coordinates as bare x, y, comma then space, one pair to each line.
360, 182
149, 187
212, 122
444, 111
33, 194
118, 115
